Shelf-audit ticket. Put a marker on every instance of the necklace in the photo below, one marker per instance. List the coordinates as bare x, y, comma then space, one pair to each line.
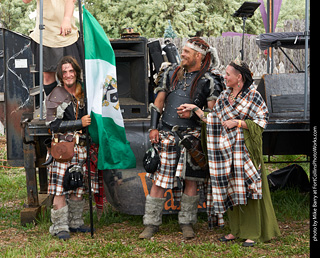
232, 97
185, 85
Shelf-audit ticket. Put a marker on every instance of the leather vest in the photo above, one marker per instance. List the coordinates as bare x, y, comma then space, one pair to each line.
180, 95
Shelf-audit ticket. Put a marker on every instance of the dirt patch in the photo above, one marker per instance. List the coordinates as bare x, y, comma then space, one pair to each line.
203, 234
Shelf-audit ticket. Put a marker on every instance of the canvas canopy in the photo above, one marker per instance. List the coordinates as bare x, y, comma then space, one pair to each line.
292, 40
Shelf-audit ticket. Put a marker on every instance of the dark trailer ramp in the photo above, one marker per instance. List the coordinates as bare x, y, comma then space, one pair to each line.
288, 99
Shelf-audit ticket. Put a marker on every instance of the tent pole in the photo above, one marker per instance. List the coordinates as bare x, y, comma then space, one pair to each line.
306, 32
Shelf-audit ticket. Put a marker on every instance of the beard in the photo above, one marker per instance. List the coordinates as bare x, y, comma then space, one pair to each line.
70, 85
187, 65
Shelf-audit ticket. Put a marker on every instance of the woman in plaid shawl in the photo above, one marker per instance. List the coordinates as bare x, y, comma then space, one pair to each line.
234, 143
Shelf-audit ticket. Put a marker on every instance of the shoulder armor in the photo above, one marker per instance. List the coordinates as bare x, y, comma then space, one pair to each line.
161, 81
215, 72
58, 96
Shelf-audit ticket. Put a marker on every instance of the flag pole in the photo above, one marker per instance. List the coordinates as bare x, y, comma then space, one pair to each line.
41, 28
82, 55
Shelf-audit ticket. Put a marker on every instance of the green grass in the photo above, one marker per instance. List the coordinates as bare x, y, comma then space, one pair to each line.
12, 196
13, 185
291, 159
116, 234
290, 204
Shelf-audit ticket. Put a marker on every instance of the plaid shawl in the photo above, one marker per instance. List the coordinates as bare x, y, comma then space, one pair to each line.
233, 175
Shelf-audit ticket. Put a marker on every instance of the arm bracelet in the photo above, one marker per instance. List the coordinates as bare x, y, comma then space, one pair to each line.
195, 109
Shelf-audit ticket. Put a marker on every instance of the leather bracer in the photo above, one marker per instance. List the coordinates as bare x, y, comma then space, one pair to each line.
155, 116
70, 125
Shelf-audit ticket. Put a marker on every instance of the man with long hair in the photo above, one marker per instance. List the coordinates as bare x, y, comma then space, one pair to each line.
67, 118
189, 82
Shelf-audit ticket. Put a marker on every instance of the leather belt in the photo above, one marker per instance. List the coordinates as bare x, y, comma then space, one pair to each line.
166, 127
67, 138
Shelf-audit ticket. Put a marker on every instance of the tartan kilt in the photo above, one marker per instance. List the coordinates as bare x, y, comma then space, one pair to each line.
165, 176
58, 169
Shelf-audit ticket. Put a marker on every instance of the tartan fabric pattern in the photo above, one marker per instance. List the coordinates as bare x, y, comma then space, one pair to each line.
165, 176
58, 169
96, 177
95, 182
233, 175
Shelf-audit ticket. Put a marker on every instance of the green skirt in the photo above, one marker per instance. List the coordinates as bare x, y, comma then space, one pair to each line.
256, 220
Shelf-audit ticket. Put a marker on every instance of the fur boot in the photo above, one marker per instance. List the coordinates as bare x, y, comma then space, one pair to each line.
59, 219
188, 214
152, 218
76, 223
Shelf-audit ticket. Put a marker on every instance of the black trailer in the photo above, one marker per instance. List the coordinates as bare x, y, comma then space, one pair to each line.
288, 99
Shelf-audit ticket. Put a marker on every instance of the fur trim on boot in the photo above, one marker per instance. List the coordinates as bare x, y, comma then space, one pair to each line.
59, 219
188, 214
189, 209
153, 211
76, 223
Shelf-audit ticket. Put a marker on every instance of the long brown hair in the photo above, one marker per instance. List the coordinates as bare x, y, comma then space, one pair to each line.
79, 94
74, 64
203, 69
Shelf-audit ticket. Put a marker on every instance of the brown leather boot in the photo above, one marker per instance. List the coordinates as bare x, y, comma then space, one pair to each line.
187, 231
148, 232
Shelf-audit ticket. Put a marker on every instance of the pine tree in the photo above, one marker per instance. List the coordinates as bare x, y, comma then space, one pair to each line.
169, 32
14, 14
150, 17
